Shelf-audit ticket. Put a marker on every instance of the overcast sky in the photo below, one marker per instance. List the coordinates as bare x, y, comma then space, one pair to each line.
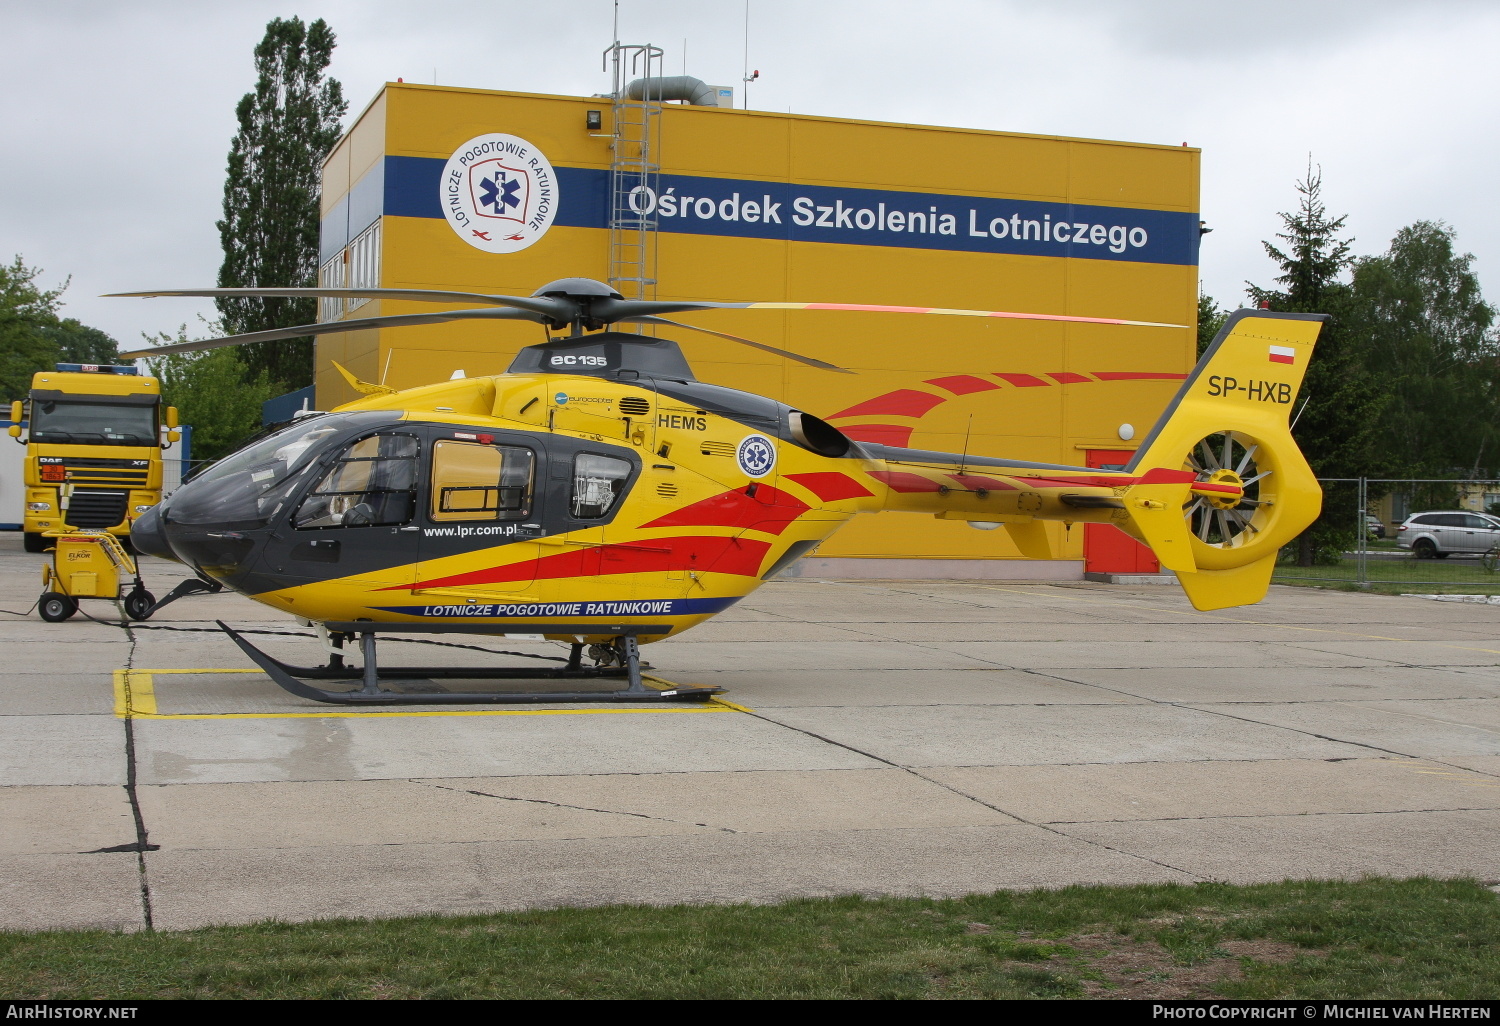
115, 118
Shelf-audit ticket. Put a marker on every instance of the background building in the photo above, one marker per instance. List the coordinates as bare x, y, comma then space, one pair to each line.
681, 201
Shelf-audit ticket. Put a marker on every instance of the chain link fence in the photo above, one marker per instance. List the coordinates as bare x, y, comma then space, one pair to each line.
1463, 555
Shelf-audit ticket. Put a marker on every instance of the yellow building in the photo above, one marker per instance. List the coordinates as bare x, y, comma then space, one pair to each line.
500, 192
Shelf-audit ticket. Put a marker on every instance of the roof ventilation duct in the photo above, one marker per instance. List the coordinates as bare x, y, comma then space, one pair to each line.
680, 87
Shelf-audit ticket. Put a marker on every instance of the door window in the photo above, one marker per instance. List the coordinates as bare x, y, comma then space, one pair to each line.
372, 483
473, 481
597, 483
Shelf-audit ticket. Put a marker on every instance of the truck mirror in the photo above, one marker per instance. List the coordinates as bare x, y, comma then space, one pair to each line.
172, 418
15, 431
17, 411
173, 436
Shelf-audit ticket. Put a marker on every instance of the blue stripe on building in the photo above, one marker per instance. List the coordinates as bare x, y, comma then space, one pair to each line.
813, 213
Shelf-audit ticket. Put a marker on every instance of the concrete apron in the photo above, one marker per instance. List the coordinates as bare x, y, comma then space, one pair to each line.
895, 737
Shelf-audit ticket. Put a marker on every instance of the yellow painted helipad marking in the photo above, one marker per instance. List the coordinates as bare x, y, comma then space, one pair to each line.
1462, 777
135, 698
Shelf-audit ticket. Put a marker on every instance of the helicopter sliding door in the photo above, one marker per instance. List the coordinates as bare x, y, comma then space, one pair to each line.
481, 516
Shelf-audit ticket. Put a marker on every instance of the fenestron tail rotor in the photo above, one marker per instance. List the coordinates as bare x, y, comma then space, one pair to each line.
580, 304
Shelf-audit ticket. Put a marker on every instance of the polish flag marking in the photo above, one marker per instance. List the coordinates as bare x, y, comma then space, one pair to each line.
1283, 354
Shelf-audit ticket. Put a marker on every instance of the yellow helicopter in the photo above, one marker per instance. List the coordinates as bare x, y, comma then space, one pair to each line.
599, 495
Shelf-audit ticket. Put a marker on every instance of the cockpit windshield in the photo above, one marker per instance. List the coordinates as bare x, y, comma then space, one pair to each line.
251, 485
96, 421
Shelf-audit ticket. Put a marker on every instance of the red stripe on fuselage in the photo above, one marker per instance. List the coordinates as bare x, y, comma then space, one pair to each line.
831, 486
1161, 475
880, 434
963, 384
740, 557
1137, 376
768, 510
904, 402
900, 481
976, 482
1073, 482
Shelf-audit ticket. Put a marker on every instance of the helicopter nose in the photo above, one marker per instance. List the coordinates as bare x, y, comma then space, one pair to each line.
147, 536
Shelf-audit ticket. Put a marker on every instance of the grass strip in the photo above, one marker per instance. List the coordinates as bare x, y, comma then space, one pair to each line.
1376, 938
1396, 575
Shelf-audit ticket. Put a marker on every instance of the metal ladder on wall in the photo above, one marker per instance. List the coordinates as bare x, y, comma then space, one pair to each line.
634, 172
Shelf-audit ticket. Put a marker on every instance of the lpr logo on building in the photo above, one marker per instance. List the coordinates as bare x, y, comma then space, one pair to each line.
499, 193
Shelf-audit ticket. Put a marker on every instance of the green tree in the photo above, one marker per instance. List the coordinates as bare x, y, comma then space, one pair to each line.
1431, 338
79, 343
214, 393
270, 228
26, 312
1211, 318
1339, 406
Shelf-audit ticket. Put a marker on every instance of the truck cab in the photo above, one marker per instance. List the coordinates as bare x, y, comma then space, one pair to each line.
94, 437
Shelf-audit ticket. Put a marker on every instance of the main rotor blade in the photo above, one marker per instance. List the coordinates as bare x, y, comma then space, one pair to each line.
543, 306
624, 309
743, 341
330, 327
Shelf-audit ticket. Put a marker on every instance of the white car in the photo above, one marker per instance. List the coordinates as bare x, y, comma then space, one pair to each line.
1439, 534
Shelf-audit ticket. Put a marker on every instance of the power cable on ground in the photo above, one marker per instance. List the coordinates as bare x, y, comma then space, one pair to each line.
137, 626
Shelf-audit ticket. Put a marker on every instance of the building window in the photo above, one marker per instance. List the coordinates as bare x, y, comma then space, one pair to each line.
374, 482
357, 267
364, 262
331, 276
473, 481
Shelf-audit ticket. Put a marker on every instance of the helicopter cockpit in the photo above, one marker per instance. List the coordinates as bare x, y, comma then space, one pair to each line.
369, 492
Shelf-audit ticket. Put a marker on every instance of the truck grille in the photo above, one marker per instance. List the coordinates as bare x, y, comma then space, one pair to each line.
98, 470
91, 507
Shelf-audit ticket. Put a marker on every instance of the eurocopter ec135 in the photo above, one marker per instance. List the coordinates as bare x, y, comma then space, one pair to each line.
599, 495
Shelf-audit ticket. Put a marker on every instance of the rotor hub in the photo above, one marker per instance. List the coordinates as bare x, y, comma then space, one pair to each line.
1225, 500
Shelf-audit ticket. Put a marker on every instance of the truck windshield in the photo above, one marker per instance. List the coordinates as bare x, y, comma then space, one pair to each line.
92, 422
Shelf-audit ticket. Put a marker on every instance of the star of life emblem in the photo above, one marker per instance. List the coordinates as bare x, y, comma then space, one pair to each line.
756, 455
499, 193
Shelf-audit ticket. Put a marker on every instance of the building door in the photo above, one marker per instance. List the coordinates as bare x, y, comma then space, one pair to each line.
1106, 548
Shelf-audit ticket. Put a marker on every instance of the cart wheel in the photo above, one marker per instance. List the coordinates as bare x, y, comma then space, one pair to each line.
55, 607
138, 604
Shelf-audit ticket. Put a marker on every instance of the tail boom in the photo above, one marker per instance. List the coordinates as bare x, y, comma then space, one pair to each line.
1215, 490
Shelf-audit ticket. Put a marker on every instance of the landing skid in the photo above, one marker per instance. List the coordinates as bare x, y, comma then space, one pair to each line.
625, 648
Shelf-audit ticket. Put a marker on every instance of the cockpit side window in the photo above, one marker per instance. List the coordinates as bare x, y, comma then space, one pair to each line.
597, 484
372, 483
473, 481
